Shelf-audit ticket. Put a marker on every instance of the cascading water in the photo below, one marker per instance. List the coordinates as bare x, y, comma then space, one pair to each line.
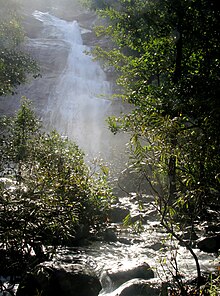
79, 102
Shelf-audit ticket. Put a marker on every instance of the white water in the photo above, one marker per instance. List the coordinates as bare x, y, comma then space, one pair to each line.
80, 102
152, 246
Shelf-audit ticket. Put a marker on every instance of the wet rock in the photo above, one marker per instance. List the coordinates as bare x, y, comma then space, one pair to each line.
209, 244
124, 240
137, 240
110, 236
137, 287
139, 217
117, 214
157, 246
212, 228
152, 215
50, 53
49, 279
81, 232
112, 279
51, 56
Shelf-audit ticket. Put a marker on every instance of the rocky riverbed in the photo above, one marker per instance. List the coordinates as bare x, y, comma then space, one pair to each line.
121, 261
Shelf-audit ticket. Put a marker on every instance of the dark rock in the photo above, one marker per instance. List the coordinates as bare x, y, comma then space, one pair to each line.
139, 217
49, 279
137, 241
121, 274
110, 236
124, 240
157, 246
152, 215
209, 244
135, 218
81, 232
212, 228
137, 287
117, 214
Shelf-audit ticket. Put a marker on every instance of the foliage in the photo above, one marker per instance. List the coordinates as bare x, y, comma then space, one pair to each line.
15, 65
48, 193
168, 62
167, 59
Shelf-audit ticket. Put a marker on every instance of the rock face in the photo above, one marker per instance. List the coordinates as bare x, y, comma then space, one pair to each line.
48, 279
112, 279
50, 54
72, 94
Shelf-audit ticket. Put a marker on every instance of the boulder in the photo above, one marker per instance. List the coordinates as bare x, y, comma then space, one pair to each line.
110, 236
50, 279
209, 244
212, 228
138, 287
157, 246
124, 240
139, 217
112, 279
117, 214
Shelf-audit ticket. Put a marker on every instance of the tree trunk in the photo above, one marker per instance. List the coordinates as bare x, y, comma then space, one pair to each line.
172, 178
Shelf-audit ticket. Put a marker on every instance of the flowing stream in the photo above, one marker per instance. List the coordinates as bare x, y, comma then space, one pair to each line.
152, 245
77, 108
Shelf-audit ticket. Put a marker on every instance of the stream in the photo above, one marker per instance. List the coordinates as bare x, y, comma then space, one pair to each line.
151, 245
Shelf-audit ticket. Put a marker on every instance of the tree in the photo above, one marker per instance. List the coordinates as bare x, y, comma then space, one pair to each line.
15, 65
166, 55
48, 193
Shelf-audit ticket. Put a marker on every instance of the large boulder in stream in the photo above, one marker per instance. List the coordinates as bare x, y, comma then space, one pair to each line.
209, 244
116, 214
137, 287
50, 279
115, 277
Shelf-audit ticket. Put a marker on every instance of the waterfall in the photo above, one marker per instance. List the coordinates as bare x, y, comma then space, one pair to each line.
79, 102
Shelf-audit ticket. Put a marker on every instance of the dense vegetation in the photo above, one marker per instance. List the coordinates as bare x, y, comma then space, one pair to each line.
15, 65
166, 54
49, 196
